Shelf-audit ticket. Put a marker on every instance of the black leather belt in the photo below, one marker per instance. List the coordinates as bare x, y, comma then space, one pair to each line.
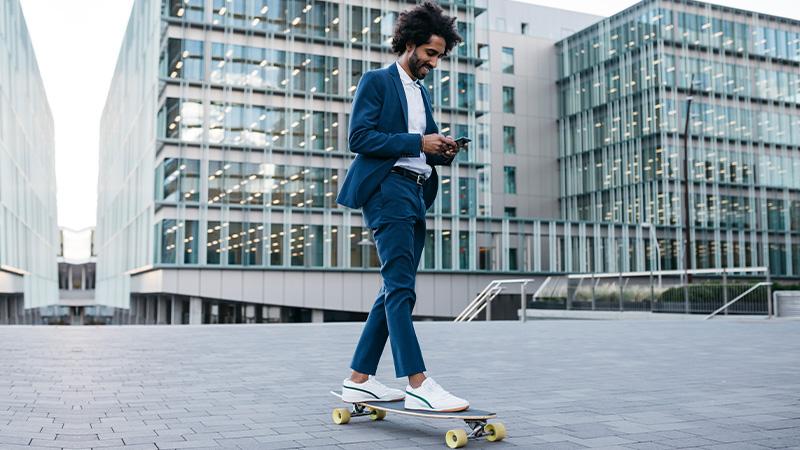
410, 174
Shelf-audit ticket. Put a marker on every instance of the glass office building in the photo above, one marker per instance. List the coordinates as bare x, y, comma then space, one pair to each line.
624, 85
28, 231
224, 140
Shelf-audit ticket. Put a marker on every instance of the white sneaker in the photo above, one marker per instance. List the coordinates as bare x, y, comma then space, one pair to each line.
432, 397
370, 390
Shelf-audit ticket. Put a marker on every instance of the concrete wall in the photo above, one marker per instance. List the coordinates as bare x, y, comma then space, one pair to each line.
440, 294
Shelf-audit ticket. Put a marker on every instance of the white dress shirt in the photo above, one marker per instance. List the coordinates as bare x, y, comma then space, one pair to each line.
416, 123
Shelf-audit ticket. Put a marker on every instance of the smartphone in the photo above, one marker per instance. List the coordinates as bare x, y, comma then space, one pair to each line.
462, 141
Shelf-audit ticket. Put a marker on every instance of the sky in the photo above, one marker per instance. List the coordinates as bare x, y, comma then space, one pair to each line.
76, 44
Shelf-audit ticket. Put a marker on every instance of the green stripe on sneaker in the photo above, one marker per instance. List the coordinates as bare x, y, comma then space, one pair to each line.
417, 396
362, 390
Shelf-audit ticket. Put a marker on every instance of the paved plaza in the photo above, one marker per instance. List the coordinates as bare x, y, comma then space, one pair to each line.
560, 384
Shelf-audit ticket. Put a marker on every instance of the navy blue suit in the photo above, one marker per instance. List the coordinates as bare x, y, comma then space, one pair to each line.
394, 208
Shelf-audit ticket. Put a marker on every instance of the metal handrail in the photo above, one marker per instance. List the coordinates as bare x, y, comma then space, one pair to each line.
729, 270
541, 288
492, 290
461, 316
726, 305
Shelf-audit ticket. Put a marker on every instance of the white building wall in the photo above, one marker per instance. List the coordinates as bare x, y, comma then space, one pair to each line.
536, 96
127, 152
28, 230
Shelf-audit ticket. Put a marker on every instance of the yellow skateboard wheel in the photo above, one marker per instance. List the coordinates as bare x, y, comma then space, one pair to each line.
377, 414
456, 438
341, 416
495, 431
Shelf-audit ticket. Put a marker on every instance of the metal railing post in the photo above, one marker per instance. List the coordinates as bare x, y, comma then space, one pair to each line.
686, 295
568, 299
621, 291
652, 290
725, 289
769, 295
523, 304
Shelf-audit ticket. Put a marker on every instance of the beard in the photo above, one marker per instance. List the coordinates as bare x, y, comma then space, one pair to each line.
416, 67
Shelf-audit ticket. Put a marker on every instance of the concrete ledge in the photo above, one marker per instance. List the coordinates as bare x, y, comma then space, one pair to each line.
11, 282
627, 315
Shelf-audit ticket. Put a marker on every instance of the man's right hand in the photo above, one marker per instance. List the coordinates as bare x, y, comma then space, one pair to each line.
436, 144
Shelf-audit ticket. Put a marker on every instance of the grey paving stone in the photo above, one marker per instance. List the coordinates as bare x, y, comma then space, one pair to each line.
15, 440
193, 444
134, 447
555, 384
648, 446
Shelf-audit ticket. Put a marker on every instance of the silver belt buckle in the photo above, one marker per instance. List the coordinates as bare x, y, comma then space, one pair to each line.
420, 179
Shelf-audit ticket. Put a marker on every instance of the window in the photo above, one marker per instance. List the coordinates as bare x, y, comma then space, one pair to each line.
178, 180
510, 140
183, 59
190, 233
523, 28
510, 211
483, 92
510, 176
191, 11
168, 229
483, 53
214, 239
77, 274
466, 90
508, 60
508, 99
513, 259
467, 196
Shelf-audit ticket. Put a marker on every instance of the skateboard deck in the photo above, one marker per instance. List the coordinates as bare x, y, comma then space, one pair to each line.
476, 419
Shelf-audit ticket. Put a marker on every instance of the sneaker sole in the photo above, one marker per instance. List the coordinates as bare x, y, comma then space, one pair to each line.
457, 409
372, 400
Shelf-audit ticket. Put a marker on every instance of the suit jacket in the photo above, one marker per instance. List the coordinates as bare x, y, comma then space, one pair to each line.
379, 136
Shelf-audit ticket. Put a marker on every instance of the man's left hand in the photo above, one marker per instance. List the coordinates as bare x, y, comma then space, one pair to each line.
452, 150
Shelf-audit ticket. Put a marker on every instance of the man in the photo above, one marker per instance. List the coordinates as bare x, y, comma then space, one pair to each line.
392, 179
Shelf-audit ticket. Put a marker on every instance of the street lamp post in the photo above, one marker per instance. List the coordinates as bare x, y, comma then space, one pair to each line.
685, 247
654, 241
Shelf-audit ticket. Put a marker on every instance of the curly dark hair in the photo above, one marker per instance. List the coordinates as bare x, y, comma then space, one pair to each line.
418, 24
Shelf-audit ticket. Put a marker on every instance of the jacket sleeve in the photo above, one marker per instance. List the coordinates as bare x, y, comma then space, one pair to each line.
364, 138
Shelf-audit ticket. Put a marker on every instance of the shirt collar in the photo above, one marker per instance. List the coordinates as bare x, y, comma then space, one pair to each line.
405, 78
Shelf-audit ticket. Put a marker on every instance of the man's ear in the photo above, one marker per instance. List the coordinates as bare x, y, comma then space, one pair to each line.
410, 47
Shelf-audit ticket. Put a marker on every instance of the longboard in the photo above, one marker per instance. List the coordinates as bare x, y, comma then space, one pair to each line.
476, 419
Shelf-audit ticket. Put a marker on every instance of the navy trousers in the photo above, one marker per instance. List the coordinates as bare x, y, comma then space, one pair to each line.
396, 215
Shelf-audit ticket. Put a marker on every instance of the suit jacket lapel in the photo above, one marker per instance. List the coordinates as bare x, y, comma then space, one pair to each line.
398, 84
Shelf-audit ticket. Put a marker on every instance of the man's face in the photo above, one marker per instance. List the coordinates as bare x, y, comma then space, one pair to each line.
425, 57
